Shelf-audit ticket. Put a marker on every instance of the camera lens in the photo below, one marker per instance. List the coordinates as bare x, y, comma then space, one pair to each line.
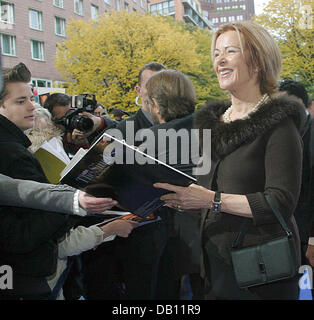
82, 123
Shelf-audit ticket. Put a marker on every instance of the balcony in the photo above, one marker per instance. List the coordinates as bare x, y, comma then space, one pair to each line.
194, 16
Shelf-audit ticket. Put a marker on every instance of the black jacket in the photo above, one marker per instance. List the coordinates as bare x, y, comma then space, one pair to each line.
139, 121
28, 237
251, 157
183, 226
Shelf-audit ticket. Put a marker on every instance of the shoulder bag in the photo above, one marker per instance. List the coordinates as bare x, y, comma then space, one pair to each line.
272, 261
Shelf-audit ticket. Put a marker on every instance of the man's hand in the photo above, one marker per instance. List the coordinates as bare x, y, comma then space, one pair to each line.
97, 121
95, 205
310, 254
77, 137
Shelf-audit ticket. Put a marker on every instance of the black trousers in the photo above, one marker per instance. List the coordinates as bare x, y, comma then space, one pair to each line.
125, 268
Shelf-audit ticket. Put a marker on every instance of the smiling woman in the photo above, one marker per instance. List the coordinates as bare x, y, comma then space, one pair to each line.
256, 151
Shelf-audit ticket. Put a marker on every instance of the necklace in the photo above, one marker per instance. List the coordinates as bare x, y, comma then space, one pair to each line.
226, 115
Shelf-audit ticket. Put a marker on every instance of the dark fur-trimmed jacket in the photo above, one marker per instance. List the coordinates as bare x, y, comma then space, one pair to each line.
251, 157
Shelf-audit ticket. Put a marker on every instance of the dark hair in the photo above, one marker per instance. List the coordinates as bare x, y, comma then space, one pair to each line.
295, 88
18, 73
152, 66
57, 99
174, 92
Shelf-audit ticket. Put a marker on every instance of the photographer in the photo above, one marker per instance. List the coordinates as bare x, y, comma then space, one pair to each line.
79, 127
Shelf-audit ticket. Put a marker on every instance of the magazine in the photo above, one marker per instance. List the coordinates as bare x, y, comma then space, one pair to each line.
130, 216
107, 170
52, 158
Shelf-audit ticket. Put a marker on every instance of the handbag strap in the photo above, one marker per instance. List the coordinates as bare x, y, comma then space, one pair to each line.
238, 240
246, 223
278, 215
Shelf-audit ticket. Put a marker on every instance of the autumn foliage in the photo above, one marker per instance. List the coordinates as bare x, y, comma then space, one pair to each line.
291, 23
104, 56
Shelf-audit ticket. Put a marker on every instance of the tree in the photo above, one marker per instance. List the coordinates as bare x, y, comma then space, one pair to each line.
290, 22
103, 57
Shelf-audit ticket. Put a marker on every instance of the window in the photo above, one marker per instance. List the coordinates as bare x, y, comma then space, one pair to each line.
118, 6
226, 0
42, 83
58, 3
94, 11
232, 18
142, 4
215, 20
8, 45
78, 7
107, 1
7, 12
223, 19
38, 50
60, 26
219, 1
134, 1
166, 7
240, 18
35, 19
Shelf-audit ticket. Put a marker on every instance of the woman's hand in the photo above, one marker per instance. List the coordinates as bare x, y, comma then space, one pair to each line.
121, 228
186, 198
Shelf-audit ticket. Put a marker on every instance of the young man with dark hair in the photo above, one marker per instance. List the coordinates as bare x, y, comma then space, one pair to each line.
28, 239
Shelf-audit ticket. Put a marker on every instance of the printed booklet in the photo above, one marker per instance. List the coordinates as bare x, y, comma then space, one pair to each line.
112, 168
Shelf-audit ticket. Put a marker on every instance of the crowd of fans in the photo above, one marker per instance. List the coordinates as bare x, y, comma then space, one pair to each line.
262, 143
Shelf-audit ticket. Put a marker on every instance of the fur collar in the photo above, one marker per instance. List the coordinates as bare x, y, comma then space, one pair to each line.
226, 137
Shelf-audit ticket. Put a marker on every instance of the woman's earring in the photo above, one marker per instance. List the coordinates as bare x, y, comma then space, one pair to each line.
136, 101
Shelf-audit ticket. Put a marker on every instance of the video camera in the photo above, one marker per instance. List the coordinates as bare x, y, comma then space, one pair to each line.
73, 120
86, 102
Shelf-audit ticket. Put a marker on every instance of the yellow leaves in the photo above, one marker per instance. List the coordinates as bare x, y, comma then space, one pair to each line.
284, 18
104, 57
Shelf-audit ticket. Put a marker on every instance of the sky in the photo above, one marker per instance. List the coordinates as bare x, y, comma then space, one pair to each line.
259, 5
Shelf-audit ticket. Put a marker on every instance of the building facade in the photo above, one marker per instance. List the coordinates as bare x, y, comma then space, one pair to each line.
189, 11
222, 11
31, 29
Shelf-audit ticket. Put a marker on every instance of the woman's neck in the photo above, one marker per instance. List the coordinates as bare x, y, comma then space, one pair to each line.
244, 104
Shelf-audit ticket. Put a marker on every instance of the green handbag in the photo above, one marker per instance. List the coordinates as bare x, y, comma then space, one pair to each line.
269, 262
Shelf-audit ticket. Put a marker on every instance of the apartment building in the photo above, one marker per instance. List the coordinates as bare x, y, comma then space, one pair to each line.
221, 11
189, 11
31, 29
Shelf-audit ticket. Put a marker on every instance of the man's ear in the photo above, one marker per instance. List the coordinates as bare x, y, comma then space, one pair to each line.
138, 90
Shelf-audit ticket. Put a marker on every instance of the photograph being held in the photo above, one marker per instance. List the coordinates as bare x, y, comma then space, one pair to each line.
256, 149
